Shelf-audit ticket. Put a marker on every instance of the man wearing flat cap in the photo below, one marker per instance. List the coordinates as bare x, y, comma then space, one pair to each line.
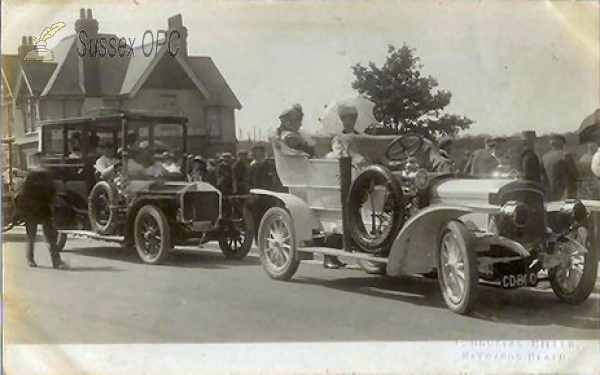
561, 170
483, 162
289, 130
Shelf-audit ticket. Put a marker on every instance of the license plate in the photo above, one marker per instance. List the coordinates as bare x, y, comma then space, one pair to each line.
518, 280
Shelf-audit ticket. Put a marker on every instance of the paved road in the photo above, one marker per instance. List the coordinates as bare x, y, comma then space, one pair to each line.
198, 297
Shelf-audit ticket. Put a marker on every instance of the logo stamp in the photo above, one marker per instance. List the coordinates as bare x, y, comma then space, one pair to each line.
41, 51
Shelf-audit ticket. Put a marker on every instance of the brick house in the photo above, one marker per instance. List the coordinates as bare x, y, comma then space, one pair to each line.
73, 86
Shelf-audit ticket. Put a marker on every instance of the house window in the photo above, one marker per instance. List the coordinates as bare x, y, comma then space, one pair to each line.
168, 103
35, 114
26, 109
213, 122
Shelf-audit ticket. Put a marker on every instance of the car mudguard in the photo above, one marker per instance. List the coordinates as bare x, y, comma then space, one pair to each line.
415, 247
304, 220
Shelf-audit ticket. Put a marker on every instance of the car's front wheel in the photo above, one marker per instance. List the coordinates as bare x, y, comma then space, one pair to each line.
277, 244
574, 279
238, 243
457, 267
152, 235
103, 207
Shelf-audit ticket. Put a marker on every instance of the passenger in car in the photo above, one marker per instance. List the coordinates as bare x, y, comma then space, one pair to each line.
107, 157
169, 162
75, 146
289, 131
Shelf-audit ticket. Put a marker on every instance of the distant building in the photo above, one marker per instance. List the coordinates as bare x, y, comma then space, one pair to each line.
73, 86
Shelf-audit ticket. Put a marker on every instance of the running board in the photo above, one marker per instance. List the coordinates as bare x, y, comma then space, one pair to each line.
342, 253
93, 235
116, 239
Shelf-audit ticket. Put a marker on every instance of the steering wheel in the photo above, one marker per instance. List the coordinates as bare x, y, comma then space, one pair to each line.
404, 147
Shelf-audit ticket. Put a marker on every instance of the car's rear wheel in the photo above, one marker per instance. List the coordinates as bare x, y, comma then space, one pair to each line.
238, 245
277, 244
103, 207
574, 279
152, 235
375, 209
370, 267
457, 267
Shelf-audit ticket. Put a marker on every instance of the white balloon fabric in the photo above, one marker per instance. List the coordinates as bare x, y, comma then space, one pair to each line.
331, 120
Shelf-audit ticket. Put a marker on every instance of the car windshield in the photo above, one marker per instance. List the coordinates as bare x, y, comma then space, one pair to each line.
154, 149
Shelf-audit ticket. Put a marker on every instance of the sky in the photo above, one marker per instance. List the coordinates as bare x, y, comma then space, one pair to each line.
510, 65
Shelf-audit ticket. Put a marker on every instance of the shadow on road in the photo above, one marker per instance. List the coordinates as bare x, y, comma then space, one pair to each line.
80, 269
521, 307
415, 290
536, 307
20, 237
180, 259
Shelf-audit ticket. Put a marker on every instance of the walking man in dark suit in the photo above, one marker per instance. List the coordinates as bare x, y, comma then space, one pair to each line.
529, 163
561, 170
34, 202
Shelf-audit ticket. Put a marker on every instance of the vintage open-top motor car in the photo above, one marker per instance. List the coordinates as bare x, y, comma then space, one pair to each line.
155, 213
396, 208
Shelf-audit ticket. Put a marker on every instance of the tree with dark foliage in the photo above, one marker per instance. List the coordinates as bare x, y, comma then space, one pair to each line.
405, 100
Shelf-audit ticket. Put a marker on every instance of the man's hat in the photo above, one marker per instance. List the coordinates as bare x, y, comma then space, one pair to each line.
491, 141
198, 159
558, 138
296, 107
529, 134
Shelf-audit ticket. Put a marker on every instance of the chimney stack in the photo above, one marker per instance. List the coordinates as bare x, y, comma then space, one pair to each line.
176, 23
87, 23
26, 46
89, 66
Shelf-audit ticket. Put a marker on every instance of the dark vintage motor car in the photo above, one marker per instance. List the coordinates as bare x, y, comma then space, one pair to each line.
388, 207
153, 213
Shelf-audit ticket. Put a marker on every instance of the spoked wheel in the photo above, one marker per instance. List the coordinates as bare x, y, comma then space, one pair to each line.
102, 207
574, 279
152, 235
457, 268
277, 244
370, 267
376, 209
237, 246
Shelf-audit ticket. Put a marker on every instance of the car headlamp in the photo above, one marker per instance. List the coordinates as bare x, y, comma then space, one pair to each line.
517, 212
575, 209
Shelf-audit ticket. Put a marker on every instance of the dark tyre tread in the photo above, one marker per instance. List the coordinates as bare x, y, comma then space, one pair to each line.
362, 181
110, 189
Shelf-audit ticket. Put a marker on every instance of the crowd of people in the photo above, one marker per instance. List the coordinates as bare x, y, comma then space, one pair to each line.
559, 172
235, 175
